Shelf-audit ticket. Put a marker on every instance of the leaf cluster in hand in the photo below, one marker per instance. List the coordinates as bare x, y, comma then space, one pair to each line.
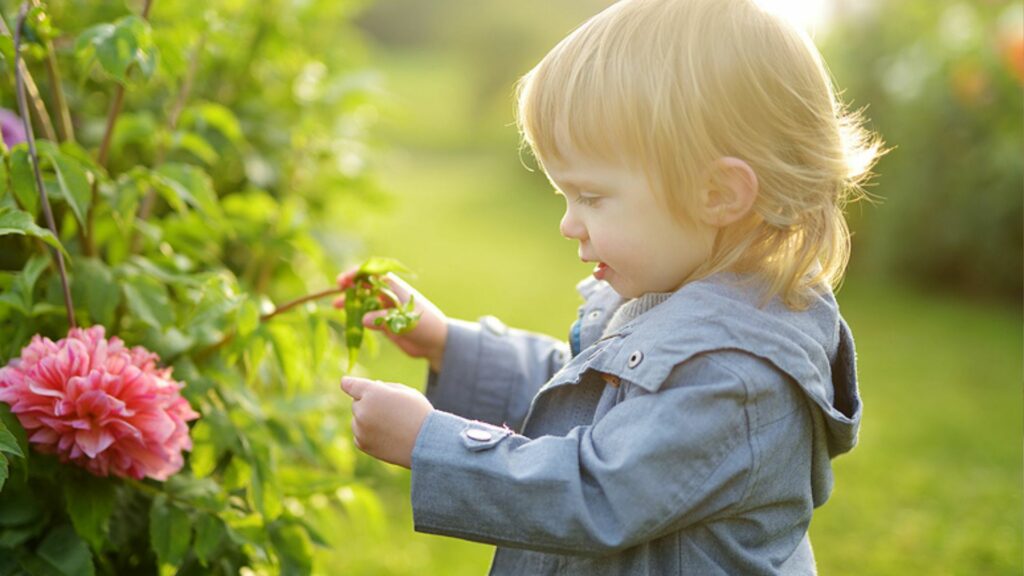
367, 294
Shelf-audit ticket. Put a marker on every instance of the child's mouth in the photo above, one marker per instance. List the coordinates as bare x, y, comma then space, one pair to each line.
600, 270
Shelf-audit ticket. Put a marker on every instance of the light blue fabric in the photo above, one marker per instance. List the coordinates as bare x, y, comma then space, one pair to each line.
708, 457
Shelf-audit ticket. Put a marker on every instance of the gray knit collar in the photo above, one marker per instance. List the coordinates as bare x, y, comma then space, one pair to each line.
634, 308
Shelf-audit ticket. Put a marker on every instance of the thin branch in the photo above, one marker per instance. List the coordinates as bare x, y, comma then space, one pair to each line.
172, 125
19, 80
299, 301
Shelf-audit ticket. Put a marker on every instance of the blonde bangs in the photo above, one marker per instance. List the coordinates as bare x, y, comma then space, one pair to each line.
588, 95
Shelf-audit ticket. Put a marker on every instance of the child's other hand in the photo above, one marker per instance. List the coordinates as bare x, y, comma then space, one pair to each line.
386, 418
426, 340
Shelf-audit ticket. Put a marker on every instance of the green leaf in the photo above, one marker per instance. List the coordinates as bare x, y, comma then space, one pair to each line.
248, 318
93, 286
4, 473
23, 181
8, 442
4, 161
209, 533
264, 492
363, 505
90, 502
169, 531
119, 46
196, 145
203, 458
192, 185
147, 299
7, 49
378, 266
134, 128
9, 422
67, 552
22, 223
293, 547
74, 183
214, 116
33, 565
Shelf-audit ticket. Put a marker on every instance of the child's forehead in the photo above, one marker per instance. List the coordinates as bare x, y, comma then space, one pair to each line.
572, 166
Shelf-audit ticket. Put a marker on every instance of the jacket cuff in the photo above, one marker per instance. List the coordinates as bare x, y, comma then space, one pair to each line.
444, 442
461, 387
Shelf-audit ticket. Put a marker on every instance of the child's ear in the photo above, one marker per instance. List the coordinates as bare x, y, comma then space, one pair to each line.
729, 192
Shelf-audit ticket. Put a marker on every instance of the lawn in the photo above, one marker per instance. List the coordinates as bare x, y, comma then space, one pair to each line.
935, 485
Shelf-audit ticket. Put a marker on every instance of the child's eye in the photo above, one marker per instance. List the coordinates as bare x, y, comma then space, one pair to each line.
587, 200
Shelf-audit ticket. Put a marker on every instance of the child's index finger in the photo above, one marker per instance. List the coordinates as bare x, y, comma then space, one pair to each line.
354, 386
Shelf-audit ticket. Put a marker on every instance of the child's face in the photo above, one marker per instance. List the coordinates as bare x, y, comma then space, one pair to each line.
621, 225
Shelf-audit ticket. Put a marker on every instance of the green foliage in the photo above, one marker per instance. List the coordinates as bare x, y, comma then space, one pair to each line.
942, 83
240, 122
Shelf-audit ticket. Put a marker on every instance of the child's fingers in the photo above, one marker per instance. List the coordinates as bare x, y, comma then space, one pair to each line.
345, 279
355, 387
339, 302
399, 287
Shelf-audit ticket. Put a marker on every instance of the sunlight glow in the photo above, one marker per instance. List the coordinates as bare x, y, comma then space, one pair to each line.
811, 15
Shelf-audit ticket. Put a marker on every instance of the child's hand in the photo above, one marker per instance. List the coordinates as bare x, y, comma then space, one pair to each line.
386, 418
426, 340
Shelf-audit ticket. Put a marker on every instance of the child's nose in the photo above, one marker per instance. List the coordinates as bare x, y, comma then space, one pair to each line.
571, 227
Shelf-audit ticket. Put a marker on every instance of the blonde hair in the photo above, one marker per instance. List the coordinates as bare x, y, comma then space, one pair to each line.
672, 85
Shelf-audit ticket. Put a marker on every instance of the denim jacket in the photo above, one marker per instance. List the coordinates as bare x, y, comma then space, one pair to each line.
694, 439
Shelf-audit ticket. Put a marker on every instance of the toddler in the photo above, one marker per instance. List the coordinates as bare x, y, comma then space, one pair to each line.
687, 425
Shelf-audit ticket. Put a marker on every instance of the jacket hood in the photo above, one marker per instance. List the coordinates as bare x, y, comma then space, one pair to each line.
813, 346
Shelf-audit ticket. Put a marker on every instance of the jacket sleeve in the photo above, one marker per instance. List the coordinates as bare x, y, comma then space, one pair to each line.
655, 463
491, 372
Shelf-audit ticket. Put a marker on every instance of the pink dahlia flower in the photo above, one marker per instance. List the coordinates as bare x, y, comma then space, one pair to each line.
99, 404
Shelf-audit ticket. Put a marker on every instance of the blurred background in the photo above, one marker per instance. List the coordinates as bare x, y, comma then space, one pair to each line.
933, 293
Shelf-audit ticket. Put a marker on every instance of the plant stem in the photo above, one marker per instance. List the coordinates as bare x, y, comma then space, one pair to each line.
57, 88
19, 80
288, 306
30, 85
172, 124
101, 157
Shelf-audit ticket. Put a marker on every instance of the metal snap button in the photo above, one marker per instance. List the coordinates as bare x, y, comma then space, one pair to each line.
478, 435
635, 358
494, 326
594, 315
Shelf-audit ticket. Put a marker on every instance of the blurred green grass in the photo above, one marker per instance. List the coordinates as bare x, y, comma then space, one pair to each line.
935, 485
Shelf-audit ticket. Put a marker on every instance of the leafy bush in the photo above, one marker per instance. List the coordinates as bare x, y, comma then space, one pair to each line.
187, 151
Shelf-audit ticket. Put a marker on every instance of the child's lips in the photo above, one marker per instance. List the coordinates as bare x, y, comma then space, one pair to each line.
600, 270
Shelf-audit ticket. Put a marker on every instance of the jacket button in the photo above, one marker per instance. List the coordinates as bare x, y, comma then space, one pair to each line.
494, 326
478, 434
594, 315
635, 358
